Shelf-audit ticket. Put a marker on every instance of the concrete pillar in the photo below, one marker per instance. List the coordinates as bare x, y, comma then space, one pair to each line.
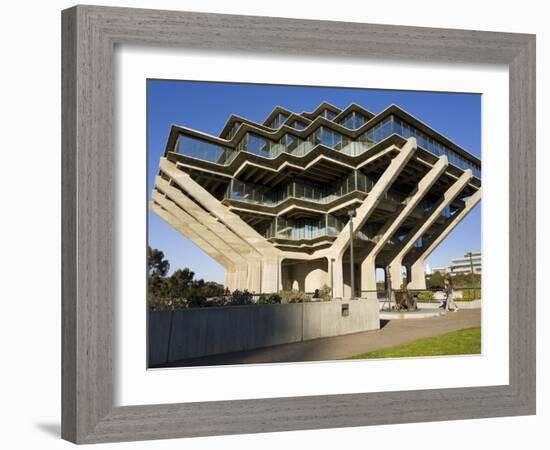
396, 274
418, 280
368, 278
270, 275
368, 265
373, 199
254, 276
416, 233
230, 279
241, 275
418, 275
337, 278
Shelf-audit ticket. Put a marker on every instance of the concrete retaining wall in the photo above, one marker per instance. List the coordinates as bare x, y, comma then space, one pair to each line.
195, 332
473, 304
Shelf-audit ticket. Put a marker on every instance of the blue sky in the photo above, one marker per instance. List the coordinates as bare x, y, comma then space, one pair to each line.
205, 106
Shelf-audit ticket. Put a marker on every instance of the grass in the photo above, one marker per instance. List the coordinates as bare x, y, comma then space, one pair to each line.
460, 342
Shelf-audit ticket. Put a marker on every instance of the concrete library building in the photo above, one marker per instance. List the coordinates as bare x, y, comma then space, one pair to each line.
309, 199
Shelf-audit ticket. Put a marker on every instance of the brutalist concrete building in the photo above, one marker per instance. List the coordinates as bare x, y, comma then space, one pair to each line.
272, 202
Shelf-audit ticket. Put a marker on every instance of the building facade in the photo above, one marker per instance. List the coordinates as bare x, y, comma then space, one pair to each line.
470, 262
271, 201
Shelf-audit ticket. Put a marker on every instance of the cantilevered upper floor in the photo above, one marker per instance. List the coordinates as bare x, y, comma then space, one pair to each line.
352, 131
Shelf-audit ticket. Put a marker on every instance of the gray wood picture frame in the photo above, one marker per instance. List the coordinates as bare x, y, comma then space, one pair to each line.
90, 34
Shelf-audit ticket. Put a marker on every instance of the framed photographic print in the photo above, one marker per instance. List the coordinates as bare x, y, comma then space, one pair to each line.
266, 230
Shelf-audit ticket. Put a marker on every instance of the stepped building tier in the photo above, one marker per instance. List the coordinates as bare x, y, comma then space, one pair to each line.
270, 202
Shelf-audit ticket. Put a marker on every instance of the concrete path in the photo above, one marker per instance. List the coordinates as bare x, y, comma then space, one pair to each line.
392, 333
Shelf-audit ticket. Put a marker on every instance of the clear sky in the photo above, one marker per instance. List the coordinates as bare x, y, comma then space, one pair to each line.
205, 106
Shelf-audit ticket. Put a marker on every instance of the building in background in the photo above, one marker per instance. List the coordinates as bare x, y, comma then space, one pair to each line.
272, 202
470, 262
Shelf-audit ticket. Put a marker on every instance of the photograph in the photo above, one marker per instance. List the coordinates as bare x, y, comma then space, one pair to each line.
291, 224
257, 225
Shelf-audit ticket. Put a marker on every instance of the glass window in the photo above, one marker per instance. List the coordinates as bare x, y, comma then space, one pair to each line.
298, 125
200, 149
258, 145
279, 120
328, 114
353, 120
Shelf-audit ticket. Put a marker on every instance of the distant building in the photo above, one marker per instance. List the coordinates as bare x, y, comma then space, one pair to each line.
462, 265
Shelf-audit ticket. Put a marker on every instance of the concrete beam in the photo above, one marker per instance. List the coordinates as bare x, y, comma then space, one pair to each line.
211, 251
239, 263
238, 249
260, 275
416, 233
368, 265
418, 279
374, 197
209, 202
235, 241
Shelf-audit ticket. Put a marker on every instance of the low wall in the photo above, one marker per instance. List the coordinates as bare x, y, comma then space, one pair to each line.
195, 332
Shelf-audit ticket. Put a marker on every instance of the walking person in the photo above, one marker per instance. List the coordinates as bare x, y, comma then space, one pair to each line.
449, 295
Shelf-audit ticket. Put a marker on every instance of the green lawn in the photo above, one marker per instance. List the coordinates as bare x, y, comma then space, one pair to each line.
461, 342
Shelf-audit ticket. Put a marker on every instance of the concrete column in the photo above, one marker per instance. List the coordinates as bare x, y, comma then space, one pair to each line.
418, 280
396, 275
270, 275
368, 265
230, 279
417, 232
254, 276
241, 276
373, 199
418, 275
368, 278
338, 278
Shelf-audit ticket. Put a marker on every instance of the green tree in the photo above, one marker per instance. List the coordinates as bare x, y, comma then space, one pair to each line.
156, 263
180, 283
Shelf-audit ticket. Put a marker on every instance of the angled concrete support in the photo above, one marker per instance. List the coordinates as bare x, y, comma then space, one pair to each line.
417, 232
230, 219
238, 250
373, 199
210, 250
368, 265
198, 228
193, 209
418, 279
258, 252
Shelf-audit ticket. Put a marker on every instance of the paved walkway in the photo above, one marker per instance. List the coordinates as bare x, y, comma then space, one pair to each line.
392, 333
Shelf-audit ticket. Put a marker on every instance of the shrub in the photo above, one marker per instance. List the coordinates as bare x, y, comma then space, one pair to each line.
294, 296
425, 296
241, 298
269, 299
469, 295
165, 303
